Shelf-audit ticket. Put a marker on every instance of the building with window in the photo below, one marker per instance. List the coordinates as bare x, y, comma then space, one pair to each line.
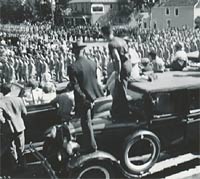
94, 10
174, 13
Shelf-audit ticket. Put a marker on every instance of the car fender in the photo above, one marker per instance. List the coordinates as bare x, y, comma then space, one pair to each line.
79, 161
52, 131
142, 132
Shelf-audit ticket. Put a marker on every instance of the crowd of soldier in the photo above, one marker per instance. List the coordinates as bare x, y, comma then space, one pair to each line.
42, 49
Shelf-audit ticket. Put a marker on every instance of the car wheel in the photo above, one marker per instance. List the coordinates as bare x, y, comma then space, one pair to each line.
95, 169
140, 152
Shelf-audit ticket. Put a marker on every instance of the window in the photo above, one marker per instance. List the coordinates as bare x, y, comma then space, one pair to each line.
167, 12
176, 11
154, 25
168, 23
163, 104
169, 103
194, 100
145, 25
97, 8
119, 7
75, 7
135, 100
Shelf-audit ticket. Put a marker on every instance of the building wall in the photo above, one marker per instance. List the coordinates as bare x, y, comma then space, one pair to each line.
185, 17
107, 9
144, 22
196, 12
85, 8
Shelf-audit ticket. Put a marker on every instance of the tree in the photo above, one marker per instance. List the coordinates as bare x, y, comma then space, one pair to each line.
197, 22
138, 4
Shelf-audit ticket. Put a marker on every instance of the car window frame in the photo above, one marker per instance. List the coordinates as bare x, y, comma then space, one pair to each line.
177, 112
193, 111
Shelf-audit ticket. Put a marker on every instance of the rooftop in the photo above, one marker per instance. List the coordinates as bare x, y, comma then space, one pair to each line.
179, 3
93, 1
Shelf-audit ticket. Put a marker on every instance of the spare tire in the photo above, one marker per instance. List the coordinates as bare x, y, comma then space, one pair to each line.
140, 152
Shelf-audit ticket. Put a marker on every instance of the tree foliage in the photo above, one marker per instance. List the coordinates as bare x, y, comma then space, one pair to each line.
138, 4
14, 13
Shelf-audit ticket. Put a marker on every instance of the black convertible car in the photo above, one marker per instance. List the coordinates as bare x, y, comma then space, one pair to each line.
162, 113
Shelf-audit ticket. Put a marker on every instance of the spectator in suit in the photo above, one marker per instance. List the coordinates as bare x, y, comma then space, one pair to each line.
12, 110
82, 74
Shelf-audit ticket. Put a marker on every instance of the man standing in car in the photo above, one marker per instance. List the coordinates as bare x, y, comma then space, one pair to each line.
118, 50
11, 111
82, 74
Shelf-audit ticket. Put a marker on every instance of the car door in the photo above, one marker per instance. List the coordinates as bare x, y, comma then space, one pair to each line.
169, 110
40, 116
193, 117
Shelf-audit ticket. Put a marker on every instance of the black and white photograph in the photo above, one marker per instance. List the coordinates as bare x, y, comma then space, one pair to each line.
99, 89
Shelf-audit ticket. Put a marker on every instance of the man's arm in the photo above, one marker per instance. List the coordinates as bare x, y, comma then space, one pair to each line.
117, 63
2, 119
74, 81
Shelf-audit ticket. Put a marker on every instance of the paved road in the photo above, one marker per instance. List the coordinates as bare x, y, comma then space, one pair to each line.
178, 167
181, 166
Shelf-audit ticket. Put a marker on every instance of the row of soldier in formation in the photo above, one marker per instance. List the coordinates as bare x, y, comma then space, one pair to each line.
40, 51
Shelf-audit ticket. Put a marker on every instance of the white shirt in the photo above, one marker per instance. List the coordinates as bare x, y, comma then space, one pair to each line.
135, 59
158, 65
180, 55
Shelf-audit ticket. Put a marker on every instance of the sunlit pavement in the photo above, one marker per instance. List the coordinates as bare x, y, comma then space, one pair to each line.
183, 166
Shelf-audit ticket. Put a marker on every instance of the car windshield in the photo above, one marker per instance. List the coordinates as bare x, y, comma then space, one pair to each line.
16, 89
37, 96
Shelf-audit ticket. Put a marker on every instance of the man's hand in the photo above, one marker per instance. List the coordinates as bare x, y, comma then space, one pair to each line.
2, 119
87, 104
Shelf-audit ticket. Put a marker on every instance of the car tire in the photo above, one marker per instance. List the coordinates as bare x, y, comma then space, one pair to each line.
130, 142
100, 169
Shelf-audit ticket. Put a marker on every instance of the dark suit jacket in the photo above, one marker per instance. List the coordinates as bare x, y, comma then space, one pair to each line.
82, 74
13, 108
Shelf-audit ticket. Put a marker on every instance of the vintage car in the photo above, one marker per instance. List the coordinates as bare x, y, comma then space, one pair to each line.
162, 113
40, 115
